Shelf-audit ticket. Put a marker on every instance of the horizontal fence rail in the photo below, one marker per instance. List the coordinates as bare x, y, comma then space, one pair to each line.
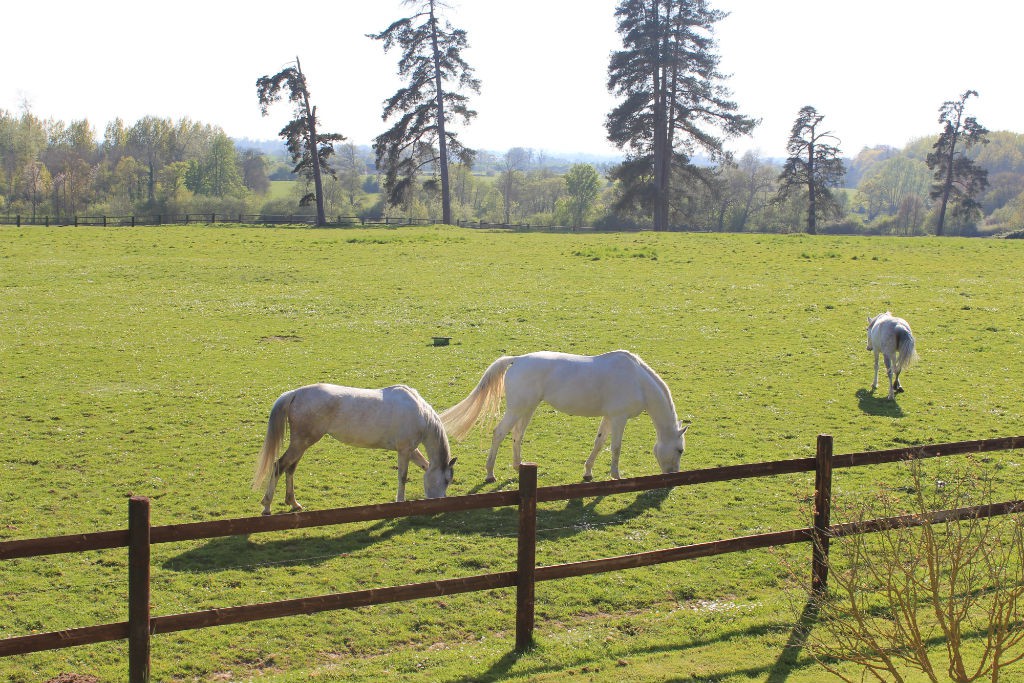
209, 219
140, 536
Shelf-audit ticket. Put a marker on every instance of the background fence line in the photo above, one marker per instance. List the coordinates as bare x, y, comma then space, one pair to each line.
19, 220
140, 535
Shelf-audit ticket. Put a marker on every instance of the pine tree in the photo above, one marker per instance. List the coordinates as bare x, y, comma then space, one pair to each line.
432, 62
310, 150
675, 102
813, 166
957, 178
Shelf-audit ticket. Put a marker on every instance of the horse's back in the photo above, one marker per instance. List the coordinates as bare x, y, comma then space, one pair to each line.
376, 418
886, 330
575, 384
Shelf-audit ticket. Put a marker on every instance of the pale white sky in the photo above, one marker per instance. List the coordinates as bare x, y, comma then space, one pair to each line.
872, 67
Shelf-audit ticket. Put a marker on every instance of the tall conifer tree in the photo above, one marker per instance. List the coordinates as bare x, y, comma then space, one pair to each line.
813, 166
957, 178
310, 150
420, 138
675, 103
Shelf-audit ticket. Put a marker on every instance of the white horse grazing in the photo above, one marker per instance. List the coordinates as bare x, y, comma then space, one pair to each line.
614, 386
891, 337
393, 418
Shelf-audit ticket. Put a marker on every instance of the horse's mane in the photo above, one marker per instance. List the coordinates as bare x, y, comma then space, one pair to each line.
657, 380
435, 429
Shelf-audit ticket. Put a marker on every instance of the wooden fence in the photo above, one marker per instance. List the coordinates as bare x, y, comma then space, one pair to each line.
210, 219
268, 219
140, 535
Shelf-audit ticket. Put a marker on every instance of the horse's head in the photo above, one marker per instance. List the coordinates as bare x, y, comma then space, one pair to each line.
668, 451
437, 479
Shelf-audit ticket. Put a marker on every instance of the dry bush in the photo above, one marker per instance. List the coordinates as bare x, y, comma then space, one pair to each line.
942, 598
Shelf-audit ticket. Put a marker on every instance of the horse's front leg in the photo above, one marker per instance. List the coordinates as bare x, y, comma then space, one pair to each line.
874, 382
403, 472
602, 435
421, 462
618, 427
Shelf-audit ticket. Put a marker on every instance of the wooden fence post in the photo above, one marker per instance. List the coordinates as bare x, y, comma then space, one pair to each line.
822, 512
527, 556
138, 589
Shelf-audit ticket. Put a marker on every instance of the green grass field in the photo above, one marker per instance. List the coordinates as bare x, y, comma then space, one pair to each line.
145, 361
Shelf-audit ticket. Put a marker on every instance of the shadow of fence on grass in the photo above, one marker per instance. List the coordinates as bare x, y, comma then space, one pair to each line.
244, 553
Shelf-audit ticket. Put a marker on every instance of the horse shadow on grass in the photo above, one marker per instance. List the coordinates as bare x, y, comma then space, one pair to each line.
242, 552
878, 405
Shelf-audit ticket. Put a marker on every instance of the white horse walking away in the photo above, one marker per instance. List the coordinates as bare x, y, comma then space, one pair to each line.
394, 418
614, 386
891, 337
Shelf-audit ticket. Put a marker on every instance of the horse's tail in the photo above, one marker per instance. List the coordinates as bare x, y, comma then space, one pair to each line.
486, 397
274, 440
905, 345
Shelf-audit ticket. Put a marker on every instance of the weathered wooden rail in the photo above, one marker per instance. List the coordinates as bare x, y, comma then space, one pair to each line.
140, 535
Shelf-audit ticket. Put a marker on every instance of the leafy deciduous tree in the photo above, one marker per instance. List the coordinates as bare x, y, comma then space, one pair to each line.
582, 185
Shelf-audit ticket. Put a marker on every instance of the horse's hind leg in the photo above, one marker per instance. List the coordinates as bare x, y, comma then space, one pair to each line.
289, 465
602, 434
500, 432
286, 464
275, 474
889, 373
518, 431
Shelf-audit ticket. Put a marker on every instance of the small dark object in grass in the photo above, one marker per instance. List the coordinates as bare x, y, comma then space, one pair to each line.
441, 341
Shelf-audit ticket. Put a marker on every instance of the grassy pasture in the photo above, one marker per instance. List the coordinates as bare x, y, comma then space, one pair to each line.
145, 361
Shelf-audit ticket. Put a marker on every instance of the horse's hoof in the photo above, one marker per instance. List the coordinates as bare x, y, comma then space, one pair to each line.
588, 477
490, 479
265, 513
296, 508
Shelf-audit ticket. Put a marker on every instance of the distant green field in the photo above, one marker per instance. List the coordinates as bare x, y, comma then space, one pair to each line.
280, 189
145, 361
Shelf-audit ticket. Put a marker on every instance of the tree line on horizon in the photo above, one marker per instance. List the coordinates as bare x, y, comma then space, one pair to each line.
672, 123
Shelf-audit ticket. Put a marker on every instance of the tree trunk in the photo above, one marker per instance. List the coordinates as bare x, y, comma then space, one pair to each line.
660, 132
314, 149
812, 208
442, 142
947, 186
